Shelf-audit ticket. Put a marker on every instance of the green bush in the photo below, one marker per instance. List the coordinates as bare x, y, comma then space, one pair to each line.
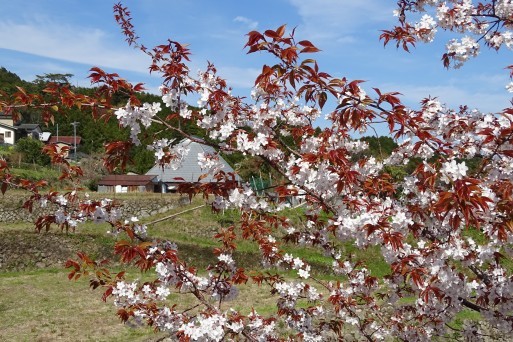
31, 151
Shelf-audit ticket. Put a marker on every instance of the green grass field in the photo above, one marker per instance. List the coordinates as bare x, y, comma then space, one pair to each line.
44, 306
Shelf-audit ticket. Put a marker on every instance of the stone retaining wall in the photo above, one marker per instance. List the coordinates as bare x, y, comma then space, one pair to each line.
11, 207
27, 250
23, 249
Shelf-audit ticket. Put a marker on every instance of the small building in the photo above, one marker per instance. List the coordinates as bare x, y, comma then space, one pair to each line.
44, 137
127, 183
190, 170
65, 140
7, 134
28, 130
11, 132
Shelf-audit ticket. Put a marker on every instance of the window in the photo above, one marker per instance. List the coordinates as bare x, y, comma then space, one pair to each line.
7, 134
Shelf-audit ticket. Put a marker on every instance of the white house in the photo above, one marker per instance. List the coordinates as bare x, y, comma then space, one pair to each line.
11, 132
7, 134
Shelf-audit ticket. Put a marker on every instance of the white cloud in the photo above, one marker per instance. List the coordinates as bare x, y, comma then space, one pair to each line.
69, 43
347, 39
50, 67
251, 24
485, 100
238, 76
331, 20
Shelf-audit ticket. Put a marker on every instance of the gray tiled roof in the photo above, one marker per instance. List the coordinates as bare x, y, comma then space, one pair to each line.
190, 170
28, 126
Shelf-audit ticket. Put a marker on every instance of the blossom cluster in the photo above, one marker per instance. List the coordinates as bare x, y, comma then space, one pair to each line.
478, 21
133, 117
168, 154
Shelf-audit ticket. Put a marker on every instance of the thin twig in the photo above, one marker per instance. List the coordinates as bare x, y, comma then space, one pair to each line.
175, 215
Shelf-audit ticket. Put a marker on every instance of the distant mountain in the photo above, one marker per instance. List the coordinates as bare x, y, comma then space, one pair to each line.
9, 81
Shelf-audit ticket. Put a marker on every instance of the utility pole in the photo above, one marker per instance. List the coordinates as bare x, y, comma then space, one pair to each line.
74, 124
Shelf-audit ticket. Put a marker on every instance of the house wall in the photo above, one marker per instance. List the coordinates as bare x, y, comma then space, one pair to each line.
105, 188
125, 189
36, 132
8, 135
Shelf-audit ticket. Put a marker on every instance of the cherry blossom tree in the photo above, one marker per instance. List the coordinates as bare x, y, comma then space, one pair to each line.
421, 223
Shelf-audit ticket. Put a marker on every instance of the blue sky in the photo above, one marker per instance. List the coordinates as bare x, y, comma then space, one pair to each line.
70, 36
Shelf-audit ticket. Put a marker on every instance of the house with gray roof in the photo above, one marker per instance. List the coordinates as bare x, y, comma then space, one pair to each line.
189, 170
28, 130
11, 132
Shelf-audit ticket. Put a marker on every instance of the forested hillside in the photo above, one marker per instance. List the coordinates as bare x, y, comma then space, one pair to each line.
95, 134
